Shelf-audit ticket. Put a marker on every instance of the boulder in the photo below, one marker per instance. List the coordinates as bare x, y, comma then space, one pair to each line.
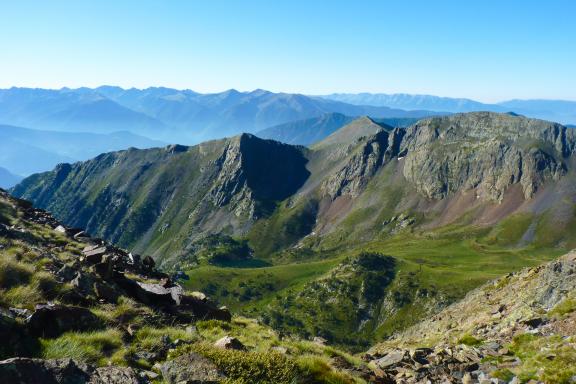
53, 320
66, 273
148, 263
84, 283
229, 342
204, 310
191, 368
60, 229
63, 371
390, 359
106, 292
116, 375
37, 371
20, 312
158, 294
319, 340
94, 256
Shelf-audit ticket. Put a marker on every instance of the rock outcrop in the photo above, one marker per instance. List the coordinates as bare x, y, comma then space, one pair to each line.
374, 153
63, 371
484, 151
191, 368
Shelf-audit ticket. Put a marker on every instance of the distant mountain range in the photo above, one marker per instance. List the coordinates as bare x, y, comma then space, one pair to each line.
206, 116
169, 114
7, 179
310, 131
78, 110
561, 111
24, 151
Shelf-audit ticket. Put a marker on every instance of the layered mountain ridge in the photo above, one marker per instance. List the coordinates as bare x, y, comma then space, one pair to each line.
464, 198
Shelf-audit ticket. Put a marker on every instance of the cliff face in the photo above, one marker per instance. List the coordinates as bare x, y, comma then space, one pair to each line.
374, 153
484, 151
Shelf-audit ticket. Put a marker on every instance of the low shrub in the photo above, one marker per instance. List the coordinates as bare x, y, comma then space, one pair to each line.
248, 367
469, 340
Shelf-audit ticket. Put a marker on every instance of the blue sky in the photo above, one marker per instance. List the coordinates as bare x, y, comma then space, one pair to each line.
487, 50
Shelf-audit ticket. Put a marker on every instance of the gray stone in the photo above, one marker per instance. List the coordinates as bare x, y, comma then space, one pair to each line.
116, 375
191, 368
229, 342
37, 371
390, 359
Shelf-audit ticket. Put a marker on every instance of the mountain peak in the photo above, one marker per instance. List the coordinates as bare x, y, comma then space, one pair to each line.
360, 127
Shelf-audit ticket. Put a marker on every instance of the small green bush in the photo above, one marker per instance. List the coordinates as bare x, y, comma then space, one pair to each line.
207, 325
248, 367
469, 340
563, 308
315, 369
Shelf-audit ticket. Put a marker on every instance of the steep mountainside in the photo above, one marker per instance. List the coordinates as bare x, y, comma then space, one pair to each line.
454, 200
521, 325
160, 200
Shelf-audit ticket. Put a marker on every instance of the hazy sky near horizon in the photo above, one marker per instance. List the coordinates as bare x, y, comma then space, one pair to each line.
486, 50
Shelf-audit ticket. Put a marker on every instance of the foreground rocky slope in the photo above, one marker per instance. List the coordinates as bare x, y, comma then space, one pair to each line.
518, 328
74, 309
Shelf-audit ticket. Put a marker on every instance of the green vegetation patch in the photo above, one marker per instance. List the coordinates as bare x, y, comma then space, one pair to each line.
248, 367
544, 358
563, 308
91, 347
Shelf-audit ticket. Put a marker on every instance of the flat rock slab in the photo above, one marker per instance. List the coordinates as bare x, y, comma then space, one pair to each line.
116, 375
390, 359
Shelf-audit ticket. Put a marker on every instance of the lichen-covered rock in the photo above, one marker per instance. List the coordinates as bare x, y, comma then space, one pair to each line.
191, 368
116, 375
